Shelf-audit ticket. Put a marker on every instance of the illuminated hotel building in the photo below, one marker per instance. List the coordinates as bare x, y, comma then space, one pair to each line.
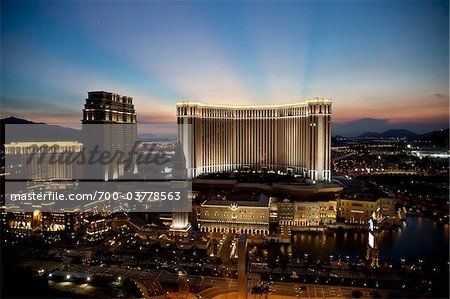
292, 137
32, 160
109, 121
108, 107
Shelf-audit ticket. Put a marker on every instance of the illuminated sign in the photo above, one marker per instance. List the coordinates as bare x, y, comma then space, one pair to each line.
371, 225
371, 240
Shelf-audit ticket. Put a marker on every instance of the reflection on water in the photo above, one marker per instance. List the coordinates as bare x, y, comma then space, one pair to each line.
321, 246
416, 238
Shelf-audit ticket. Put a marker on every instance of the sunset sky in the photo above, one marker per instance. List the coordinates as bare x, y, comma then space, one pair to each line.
383, 60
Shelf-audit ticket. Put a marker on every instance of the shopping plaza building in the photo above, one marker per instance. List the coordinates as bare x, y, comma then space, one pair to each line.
249, 216
292, 137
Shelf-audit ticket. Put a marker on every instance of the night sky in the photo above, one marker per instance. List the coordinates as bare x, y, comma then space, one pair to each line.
383, 60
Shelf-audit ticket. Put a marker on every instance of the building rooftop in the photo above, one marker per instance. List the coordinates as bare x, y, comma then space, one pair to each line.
240, 199
350, 185
254, 106
359, 189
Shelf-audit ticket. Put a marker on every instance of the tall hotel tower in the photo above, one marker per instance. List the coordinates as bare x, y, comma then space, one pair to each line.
292, 137
109, 121
107, 107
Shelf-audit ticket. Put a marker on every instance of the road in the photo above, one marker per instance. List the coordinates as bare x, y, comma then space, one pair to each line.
210, 287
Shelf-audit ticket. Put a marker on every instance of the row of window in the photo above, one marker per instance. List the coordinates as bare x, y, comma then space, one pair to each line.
234, 215
271, 112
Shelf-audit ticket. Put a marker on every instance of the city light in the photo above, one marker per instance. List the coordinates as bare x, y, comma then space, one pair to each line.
232, 149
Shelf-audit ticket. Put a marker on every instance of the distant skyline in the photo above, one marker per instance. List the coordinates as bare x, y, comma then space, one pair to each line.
385, 61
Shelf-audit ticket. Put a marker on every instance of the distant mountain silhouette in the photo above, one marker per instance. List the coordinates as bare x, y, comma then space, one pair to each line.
45, 132
395, 133
357, 127
443, 133
149, 137
437, 138
14, 121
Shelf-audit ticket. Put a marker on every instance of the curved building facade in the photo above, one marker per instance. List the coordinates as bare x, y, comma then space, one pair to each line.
292, 137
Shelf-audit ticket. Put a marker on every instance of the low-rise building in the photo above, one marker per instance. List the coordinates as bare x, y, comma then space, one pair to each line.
244, 215
359, 211
96, 227
301, 214
36, 220
52, 225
